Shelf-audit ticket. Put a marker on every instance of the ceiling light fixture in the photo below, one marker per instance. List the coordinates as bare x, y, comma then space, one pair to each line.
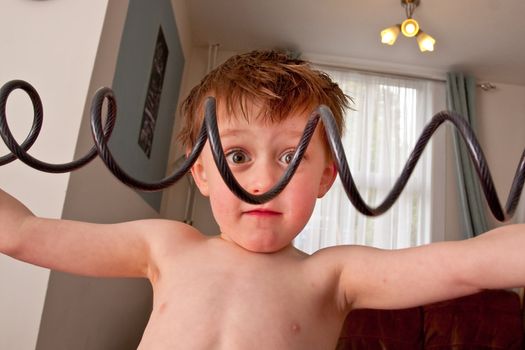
409, 28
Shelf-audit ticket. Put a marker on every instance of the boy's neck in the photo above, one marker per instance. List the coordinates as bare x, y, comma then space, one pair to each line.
287, 250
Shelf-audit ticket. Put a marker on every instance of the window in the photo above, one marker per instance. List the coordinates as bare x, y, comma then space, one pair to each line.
390, 113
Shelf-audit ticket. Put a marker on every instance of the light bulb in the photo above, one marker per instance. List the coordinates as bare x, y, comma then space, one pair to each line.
409, 27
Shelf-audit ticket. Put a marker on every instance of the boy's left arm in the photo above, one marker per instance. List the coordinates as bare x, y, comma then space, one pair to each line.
394, 279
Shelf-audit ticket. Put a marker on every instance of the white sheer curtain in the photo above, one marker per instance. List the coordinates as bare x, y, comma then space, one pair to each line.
390, 113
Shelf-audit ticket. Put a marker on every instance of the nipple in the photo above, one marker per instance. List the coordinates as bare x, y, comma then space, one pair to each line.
296, 328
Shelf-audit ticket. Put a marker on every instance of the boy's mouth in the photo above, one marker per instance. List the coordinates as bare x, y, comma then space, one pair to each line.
262, 212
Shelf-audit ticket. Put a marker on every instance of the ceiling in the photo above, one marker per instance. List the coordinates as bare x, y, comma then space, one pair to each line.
484, 38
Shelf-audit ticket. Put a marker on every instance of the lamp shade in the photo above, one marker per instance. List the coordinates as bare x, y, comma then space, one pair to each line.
425, 42
389, 35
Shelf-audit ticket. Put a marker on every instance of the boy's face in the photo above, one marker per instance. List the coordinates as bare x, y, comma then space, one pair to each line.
258, 153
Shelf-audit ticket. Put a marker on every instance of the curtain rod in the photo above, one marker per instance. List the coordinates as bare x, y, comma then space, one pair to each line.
380, 72
485, 86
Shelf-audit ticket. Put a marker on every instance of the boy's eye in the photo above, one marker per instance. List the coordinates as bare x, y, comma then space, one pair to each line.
237, 157
287, 157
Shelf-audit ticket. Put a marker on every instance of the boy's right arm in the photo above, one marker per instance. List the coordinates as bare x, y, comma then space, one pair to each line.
104, 250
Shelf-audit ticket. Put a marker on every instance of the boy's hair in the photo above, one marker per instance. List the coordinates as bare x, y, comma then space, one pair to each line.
280, 84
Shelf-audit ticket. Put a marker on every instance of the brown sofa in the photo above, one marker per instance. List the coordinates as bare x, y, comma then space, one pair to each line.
487, 320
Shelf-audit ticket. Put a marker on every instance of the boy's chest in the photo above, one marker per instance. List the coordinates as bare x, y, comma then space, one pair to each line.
244, 301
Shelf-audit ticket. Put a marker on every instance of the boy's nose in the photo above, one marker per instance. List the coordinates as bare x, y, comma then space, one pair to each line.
262, 178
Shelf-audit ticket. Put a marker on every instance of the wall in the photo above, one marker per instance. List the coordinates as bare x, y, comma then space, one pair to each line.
502, 135
92, 313
56, 63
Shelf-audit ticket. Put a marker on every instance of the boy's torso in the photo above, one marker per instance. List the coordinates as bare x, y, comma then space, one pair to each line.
218, 296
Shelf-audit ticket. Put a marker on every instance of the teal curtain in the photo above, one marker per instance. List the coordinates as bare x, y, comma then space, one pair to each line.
461, 98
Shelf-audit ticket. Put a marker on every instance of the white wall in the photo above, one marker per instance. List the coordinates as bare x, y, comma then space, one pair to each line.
36, 47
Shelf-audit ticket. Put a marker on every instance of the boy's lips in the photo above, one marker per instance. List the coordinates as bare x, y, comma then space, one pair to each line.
262, 212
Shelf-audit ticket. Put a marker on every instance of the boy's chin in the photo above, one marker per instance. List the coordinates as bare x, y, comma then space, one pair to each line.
265, 249
261, 245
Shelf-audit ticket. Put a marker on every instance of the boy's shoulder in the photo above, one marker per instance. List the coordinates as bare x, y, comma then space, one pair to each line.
165, 237
164, 231
334, 255
166, 240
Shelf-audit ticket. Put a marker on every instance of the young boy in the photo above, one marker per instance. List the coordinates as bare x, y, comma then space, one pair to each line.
249, 288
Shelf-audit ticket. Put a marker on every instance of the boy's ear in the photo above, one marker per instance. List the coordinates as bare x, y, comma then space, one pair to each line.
199, 176
328, 178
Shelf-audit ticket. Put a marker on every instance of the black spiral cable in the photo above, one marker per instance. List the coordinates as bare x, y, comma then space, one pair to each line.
209, 131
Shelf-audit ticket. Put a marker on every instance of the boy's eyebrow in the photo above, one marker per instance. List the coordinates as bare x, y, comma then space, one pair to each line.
233, 133
229, 132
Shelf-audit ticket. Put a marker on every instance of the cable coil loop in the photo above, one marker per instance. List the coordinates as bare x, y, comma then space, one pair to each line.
210, 131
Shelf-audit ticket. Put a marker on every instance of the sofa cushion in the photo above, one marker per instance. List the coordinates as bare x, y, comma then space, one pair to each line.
487, 320
382, 329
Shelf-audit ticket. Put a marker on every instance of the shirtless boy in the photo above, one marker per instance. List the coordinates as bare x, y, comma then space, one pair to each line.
249, 288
